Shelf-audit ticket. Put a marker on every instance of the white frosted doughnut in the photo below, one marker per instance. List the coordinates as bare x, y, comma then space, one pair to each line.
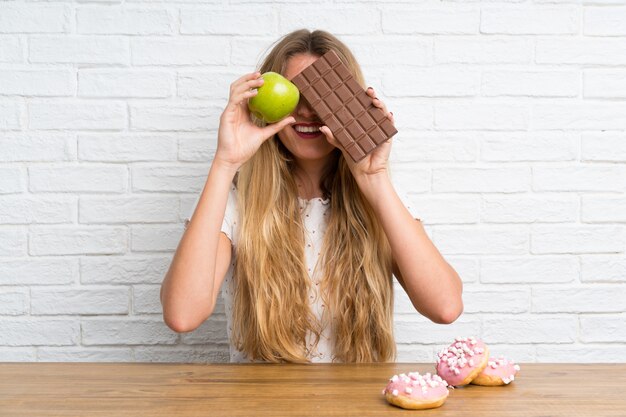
462, 361
415, 391
499, 371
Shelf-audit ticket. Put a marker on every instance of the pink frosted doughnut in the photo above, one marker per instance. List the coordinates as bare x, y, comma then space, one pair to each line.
415, 391
462, 361
499, 371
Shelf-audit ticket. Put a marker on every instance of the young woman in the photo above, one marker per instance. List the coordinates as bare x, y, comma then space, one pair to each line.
304, 239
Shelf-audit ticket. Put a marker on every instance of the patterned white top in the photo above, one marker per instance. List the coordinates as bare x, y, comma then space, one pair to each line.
314, 214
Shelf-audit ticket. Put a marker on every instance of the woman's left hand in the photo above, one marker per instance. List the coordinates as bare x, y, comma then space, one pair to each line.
376, 161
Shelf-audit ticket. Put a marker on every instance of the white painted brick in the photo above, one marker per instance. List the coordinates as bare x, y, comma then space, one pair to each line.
579, 299
481, 116
482, 50
18, 354
435, 82
248, 52
83, 354
13, 242
35, 332
79, 178
603, 146
84, 240
610, 209
389, 51
581, 354
337, 20
467, 268
496, 301
79, 301
147, 299
530, 329
434, 146
174, 117
582, 177
127, 147
577, 238
581, 51
77, 115
11, 180
14, 302
530, 20
206, 84
604, 84
409, 179
125, 83
443, 209
529, 146
124, 21
34, 18
39, 271
477, 180
196, 147
126, 332
482, 240
11, 113
127, 209
408, 114
527, 270
79, 49
410, 330
531, 83
213, 330
603, 328
123, 269
37, 82
250, 21
26, 209
213, 353
603, 268
447, 20
415, 353
182, 179
578, 116
37, 147
154, 238
11, 49
529, 208
605, 21
519, 353
184, 51
401, 300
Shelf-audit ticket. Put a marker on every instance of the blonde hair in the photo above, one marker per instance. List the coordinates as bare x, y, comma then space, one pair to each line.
271, 314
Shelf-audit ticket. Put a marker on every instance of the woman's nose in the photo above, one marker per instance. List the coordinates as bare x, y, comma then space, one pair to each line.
304, 108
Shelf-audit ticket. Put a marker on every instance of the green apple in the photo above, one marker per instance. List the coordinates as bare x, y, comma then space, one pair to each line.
275, 99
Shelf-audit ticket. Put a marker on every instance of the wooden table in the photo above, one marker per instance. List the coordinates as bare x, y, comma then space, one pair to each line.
126, 389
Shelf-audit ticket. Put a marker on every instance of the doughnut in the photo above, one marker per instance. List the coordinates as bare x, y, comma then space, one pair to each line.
462, 361
415, 391
499, 371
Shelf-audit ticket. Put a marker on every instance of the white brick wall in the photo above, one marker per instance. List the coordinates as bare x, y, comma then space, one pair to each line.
512, 146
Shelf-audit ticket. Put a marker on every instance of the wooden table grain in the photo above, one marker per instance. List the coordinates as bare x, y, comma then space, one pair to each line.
181, 390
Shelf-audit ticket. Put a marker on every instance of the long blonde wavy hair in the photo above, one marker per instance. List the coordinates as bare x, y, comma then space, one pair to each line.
271, 312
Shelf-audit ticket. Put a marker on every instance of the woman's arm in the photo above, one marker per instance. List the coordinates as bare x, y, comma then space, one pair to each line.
188, 291
433, 286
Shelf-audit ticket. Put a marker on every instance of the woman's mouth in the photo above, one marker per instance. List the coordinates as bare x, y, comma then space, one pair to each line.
307, 130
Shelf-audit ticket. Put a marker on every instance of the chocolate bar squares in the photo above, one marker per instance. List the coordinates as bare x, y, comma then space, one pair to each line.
344, 106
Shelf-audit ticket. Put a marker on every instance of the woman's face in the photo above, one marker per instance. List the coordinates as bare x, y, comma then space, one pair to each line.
304, 145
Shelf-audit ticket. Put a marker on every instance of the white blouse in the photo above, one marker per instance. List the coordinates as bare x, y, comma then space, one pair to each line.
314, 213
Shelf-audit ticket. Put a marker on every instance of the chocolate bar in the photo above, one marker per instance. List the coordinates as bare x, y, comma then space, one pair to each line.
344, 106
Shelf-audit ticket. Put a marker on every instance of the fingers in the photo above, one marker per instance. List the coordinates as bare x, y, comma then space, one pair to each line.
273, 128
377, 103
245, 87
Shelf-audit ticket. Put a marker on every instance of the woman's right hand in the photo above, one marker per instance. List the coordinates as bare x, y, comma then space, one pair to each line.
238, 137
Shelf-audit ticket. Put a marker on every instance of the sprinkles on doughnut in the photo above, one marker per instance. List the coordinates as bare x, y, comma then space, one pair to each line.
462, 361
499, 371
415, 391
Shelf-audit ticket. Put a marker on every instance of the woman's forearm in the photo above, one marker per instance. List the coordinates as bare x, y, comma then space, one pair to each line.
187, 292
